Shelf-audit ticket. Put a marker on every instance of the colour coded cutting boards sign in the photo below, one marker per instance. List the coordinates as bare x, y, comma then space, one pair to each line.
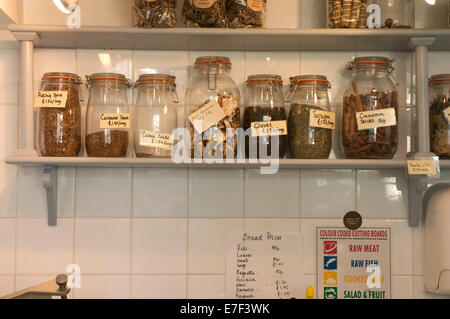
353, 264
265, 266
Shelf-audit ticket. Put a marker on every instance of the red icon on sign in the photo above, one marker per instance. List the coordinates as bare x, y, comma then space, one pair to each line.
330, 247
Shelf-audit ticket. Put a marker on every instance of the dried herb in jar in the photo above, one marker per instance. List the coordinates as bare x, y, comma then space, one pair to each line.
347, 13
60, 128
205, 13
372, 143
305, 141
214, 139
440, 127
246, 13
107, 143
155, 13
264, 114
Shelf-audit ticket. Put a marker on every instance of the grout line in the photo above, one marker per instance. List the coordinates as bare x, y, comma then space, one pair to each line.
131, 229
188, 188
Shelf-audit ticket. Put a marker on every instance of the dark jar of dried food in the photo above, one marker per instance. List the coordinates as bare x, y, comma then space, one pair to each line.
246, 13
370, 110
205, 13
59, 128
265, 116
155, 13
311, 121
108, 117
440, 115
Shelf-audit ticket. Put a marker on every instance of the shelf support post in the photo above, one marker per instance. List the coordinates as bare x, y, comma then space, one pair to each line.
50, 185
27, 41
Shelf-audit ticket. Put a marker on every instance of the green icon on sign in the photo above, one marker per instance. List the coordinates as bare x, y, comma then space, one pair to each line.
330, 293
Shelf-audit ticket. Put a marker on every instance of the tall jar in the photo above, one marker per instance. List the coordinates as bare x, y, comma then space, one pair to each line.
108, 117
370, 110
264, 111
347, 13
59, 128
309, 98
440, 115
212, 103
155, 115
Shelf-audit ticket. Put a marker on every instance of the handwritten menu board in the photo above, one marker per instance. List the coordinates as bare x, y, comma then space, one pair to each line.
265, 266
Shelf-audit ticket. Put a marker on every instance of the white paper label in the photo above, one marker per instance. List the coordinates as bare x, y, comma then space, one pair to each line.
208, 115
56, 99
155, 139
447, 114
115, 120
272, 128
265, 265
203, 4
256, 5
376, 118
422, 167
322, 119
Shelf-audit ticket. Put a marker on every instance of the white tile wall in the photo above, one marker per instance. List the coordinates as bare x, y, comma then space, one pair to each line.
103, 287
158, 287
206, 287
6, 285
7, 245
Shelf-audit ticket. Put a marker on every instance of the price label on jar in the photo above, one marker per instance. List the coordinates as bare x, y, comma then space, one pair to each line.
376, 118
208, 115
422, 167
155, 139
256, 5
115, 120
447, 114
202, 4
272, 128
56, 99
322, 119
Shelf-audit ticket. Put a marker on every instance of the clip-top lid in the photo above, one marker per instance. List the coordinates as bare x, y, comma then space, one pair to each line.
264, 77
213, 60
62, 76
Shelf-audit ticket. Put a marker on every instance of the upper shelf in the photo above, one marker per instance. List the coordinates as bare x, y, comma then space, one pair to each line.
233, 39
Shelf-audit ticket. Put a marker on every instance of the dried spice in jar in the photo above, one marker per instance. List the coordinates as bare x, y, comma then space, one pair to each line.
205, 13
59, 128
347, 14
440, 115
155, 13
110, 143
246, 13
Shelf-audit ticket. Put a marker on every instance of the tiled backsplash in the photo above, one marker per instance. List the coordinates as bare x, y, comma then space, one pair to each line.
161, 233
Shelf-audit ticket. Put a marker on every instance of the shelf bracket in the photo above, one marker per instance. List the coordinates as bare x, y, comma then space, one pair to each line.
416, 189
50, 184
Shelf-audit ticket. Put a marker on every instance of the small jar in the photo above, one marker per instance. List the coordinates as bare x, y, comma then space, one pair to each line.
347, 13
155, 115
246, 14
213, 90
440, 115
108, 117
370, 110
308, 95
59, 129
396, 13
155, 13
264, 104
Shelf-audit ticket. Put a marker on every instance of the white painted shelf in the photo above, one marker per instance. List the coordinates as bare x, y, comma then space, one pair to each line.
233, 39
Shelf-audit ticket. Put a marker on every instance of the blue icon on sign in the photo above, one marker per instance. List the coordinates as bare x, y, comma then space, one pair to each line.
330, 262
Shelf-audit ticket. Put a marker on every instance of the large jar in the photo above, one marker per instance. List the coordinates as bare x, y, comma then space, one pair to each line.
440, 115
310, 118
264, 111
108, 118
59, 128
347, 13
370, 110
212, 102
155, 115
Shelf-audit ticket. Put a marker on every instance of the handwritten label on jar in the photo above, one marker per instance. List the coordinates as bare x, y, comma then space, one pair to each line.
57, 99
203, 4
208, 115
155, 139
256, 5
273, 128
447, 114
322, 119
422, 167
115, 120
376, 118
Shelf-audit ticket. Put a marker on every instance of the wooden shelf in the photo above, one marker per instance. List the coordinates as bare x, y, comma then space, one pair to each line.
233, 39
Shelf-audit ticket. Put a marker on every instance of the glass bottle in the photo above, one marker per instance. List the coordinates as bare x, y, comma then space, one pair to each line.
370, 110
440, 115
308, 95
108, 117
59, 128
212, 89
155, 115
264, 102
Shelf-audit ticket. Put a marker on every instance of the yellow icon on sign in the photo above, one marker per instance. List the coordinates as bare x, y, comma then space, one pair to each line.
330, 278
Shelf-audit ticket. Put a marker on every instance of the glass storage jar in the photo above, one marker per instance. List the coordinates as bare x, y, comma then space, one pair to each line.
440, 115
155, 115
155, 13
264, 103
347, 13
308, 95
108, 117
59, 128
370, 110
212, 102
396, 13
